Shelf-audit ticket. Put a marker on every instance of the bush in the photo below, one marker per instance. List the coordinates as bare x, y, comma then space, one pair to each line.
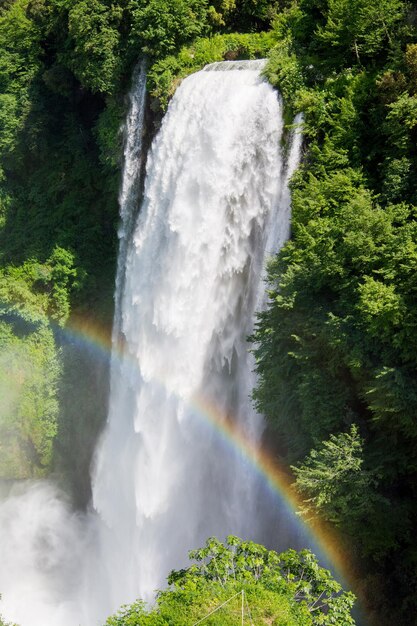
288, 589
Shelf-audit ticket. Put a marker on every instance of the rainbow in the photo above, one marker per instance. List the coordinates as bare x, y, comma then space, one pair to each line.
274, 474
278, 479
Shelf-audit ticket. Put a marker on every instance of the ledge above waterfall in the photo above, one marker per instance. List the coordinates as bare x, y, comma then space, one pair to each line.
256, 65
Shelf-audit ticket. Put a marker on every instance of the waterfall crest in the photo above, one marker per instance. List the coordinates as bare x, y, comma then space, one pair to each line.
189, 280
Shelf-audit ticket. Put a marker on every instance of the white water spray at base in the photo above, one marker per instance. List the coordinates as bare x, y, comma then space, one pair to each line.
215, 203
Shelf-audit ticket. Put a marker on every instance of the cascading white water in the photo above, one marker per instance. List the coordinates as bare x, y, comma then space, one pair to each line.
216, 188
215, 203
130, 187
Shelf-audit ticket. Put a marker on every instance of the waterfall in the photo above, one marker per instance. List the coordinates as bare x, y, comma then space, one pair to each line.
215, 199
131, 178
189, 280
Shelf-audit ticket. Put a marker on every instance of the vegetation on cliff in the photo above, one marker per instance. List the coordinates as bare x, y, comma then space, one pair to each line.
335, 349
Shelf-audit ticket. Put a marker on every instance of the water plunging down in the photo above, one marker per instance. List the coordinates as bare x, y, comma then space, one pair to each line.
130, 188
215, 200
189, 281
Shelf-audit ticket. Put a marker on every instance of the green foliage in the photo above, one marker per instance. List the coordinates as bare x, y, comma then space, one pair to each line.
130, 615
336, 346
360, 27
401, 120
335, 485
108, 133
19, 63
93, 30
189, 604
162, 26
219, 12
37, 290
29, 371
58, 207
165, 75
283, 69
252, 15
30, 364
288, 589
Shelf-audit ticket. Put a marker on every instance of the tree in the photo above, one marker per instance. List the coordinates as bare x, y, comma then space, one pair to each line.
333, 481
359, 26
162, 26
288, 589
93, 29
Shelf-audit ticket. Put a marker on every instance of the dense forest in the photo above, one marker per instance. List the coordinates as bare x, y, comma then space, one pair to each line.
335, 349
